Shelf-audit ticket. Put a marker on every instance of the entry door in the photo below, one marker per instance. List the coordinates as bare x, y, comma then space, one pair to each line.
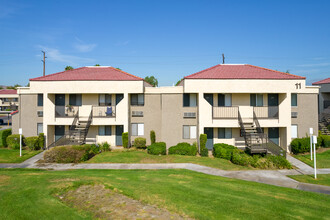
209, 142
273, 101
119, 133
273, 134
59, 105
59, 131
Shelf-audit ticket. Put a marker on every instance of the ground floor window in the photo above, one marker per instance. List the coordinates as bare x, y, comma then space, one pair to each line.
105, 130
294, 131
40, 128
224, 133
137, 129
189, 132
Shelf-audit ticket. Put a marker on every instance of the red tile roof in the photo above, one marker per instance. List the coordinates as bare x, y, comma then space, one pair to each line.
324, 81
8, 91
98, 73
241, 71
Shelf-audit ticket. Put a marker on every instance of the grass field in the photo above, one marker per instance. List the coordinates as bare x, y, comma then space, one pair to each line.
322, 179
322, 159
29, 194
12, 156
134, 156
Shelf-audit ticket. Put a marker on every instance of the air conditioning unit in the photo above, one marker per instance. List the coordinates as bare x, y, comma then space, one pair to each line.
40, 113
294, 114
189, 114
137, 113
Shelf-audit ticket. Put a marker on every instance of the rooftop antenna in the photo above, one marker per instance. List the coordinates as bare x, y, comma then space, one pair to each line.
44, 61
223, 58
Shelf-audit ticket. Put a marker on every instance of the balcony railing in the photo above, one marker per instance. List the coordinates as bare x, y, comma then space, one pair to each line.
104, 111
66, 111
225, 112
263, 112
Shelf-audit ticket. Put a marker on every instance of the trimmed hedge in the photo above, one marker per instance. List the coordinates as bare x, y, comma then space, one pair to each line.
71, 154
204, 152
125, 139
325, 140
4, 134
32, 142
223, 151
152, 136
140, 143
41, 141
183, 149
157, 148
13, 141
302, 145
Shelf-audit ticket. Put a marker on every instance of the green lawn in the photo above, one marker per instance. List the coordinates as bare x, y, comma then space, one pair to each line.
134, 156
322, 159
322, 179
29, 194
12, 156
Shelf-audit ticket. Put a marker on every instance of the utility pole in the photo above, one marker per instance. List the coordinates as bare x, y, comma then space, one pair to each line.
44, 61
223, 58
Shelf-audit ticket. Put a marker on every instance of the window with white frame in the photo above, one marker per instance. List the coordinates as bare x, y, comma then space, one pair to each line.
105, 130
224, 133
294, 99
137, 129
137, 99
224, 99
189, 100
40, 128
104, 100
294, 131
189, 132
256, 100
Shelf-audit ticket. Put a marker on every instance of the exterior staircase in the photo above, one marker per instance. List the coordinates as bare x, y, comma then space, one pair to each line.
324, 122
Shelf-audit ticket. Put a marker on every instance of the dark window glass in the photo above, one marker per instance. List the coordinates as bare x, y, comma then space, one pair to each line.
221, 100
186, 100
75, 99
137, 99
40, 99
294, 99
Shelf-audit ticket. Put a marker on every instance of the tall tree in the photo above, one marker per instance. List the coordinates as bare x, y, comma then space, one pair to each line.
151, 80
68, 68
178, 82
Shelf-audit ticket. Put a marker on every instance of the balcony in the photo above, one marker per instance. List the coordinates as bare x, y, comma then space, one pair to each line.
66, 111
104, 111
266, 112
225, 112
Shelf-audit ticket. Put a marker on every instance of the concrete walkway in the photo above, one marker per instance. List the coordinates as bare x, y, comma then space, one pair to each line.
271, 177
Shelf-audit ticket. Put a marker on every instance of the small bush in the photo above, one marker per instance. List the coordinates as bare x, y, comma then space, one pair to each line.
204, 152
32, 142
4, 135
202, 141
41, 141
125, 139
325, 140
105, 146
13, 141
328, 127
302, 145
183, 149
223, 151
279, 162
140, 143
241, 158
157, 148
152, 137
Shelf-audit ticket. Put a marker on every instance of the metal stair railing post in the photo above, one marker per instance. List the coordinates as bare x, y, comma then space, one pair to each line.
243, 132
87, 127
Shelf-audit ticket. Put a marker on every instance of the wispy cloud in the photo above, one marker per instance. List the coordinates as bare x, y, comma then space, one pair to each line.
81, 46
8, 10
56, 55
314, 65
122, 43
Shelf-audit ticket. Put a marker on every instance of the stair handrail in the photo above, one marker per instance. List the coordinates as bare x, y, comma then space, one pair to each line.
88, 125
74, 123
243, 132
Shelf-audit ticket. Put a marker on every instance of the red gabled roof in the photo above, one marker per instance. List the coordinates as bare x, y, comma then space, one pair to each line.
95, 73
8, 91
323, 81
241, 71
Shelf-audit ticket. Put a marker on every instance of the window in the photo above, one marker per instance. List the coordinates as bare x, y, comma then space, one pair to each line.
137, 129
189, 100
294, 99
40, 99
105, 130
256, 100
137, 99
40, 113
40, 128
294, 131
224, 99
224, 133
75, 99
105, 100
189, 132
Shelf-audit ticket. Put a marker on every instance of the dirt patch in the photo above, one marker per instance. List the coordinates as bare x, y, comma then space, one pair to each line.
107, 204
4, 180
63, 180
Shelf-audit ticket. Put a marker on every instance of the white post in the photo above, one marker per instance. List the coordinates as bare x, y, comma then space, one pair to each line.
20, 131
314, 142
311, 141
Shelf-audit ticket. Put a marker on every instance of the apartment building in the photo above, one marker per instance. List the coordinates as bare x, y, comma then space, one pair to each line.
324, 94
8, 100
242, 105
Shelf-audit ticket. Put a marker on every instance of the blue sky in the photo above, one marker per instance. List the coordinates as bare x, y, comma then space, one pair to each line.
167, 39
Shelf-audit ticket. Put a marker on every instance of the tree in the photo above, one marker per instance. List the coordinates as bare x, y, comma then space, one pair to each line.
178, 82
118, 68
1, 87
288, 71
97, 65
68, 68
151, 80
14, 86
28, 85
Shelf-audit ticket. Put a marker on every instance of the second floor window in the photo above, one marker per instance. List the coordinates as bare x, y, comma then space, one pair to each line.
137, 99
224, 99
256, 100
189, 100
75, 99
294, 99
105, 100
40, 99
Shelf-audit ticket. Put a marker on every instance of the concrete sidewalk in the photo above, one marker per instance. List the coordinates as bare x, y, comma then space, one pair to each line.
271, 177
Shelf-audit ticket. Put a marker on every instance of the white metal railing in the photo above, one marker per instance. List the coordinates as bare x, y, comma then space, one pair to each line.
225, 112
104, 111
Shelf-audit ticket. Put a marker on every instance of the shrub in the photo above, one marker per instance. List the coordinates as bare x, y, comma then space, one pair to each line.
157, 148
41, 141
140, 143
152, 137
183, 149
105, 146
241, 158
125, 139
202, 141
328, 127
223, 151
5, 133
70, 154
325, 140
13, 141
302, 145
32, 142
279, 162
204, 152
